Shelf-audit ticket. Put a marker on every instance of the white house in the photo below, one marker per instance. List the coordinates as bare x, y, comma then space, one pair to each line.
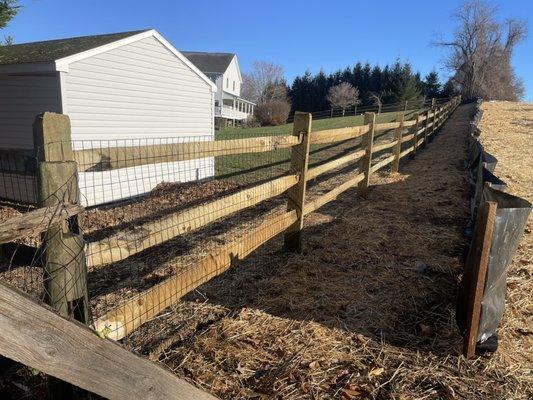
223, 69
122, 89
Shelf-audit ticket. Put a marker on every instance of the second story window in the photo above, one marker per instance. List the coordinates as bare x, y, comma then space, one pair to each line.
233, 85
227, 83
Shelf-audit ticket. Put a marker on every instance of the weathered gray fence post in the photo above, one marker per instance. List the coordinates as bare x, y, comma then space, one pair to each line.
398, 148
296, 195
62, 246
367, 143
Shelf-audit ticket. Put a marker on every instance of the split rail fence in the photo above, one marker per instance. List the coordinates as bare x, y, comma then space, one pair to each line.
66, 258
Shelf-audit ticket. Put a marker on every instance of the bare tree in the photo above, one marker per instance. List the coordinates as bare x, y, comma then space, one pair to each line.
274, 106
265, 85
263, 75
480, 52
377, 99
343, 95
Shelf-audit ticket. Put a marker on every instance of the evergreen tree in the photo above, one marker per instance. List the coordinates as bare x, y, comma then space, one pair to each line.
431, 85
448, 89
8, 10
405, 86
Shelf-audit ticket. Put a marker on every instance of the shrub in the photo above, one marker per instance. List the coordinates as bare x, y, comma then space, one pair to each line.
273, 112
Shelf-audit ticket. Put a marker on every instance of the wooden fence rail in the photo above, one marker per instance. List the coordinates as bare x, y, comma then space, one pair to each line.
41, 339
37, 221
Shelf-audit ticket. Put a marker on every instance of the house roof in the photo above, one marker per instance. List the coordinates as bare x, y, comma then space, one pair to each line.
56, 55
51, 50
210, 62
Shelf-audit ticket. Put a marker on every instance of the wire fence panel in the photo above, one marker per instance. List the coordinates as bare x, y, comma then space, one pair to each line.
162, 216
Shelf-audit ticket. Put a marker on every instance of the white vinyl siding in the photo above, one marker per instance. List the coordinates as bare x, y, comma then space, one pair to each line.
135, 95
232, 78
21, 99
140, 90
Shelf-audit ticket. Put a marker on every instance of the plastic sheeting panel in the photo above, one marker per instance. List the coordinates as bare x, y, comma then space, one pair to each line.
510, 221
511, 218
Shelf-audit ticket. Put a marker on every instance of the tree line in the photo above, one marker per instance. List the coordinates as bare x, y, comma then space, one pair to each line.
374, 85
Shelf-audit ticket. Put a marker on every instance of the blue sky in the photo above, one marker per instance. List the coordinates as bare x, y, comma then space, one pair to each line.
298, 35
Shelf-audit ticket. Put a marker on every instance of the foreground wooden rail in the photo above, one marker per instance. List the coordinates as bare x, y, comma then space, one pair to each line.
37, 337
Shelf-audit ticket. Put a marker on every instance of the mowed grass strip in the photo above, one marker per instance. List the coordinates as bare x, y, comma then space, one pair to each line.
255, 167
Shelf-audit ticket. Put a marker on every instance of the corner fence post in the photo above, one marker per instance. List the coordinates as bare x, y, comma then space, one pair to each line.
296, 194
398, 133
367, 143
65, 271
415, 134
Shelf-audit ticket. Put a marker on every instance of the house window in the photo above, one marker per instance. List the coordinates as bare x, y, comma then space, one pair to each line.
216, 103
227, 83
233, 85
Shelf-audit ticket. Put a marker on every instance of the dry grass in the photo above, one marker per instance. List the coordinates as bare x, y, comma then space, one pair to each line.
507, 133
366, 312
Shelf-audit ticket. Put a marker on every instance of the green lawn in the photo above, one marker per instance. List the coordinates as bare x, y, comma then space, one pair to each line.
255, 167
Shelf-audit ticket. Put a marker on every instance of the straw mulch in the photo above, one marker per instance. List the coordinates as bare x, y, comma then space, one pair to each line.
507, 133
366, 312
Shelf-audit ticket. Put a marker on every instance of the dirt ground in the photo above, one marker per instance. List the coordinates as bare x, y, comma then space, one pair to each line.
366, 312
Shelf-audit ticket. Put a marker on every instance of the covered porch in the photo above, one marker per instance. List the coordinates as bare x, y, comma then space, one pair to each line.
234, 107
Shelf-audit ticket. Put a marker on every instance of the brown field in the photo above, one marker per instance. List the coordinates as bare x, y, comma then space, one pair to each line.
366, 312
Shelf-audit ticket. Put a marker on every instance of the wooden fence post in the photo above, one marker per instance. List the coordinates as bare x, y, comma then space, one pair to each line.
398, 148
63, 246
426, 127
415, 133
367, 142
476, 269
296, 195
434, 110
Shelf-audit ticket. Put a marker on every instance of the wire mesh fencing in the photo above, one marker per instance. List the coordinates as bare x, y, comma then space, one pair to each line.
161, 216
409, 105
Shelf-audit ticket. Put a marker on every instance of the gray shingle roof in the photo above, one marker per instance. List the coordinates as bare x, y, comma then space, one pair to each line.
209, 62
51, 50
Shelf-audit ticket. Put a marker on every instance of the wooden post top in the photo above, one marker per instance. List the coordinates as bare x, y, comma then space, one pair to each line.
302, 122
52, 137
